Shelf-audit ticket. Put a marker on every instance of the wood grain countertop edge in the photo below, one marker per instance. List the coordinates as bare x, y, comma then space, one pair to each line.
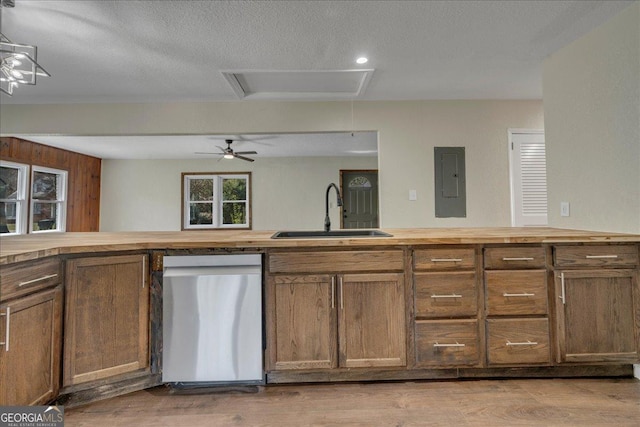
29, 247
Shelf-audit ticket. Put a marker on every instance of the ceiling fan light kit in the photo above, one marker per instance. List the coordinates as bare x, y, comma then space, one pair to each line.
228, 153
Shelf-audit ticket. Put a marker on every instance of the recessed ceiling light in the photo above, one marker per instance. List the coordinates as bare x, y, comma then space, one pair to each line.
362, 60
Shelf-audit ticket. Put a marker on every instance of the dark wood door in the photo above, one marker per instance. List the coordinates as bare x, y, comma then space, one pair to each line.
360, 197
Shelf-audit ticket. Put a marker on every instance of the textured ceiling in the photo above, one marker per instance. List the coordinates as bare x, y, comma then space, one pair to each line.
150, 51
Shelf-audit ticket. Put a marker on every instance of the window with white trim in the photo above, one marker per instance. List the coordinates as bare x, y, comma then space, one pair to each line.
13, 197
48, 200
216, 201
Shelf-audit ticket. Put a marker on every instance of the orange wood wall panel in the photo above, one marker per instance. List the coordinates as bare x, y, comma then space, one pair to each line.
83, 185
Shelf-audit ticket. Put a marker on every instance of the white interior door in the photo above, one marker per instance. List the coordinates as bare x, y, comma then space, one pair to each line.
528, 168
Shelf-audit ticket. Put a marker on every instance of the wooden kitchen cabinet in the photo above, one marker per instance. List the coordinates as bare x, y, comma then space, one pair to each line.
598, 317
597, 305
342, 319
30, 331
106, 330
30, 354
371, 320
446, 326
305, 322
516, 306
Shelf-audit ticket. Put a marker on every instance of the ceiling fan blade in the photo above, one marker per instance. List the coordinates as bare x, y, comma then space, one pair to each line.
245, 152
243, 158
201, 152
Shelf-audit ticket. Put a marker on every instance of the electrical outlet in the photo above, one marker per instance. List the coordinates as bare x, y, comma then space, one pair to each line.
413, 195
564, 208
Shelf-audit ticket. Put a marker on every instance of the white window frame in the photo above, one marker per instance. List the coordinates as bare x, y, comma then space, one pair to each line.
21, 197
61, 200
216, 201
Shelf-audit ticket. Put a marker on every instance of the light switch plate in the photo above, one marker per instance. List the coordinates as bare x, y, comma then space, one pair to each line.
564, 208
413, 195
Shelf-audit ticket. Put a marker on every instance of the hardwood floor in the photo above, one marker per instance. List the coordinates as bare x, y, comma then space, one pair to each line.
514, 402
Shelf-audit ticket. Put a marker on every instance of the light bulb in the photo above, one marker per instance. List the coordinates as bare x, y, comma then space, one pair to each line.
362, 60
17, 74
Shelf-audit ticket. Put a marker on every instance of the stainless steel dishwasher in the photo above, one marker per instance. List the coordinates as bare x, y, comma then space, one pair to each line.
212, 320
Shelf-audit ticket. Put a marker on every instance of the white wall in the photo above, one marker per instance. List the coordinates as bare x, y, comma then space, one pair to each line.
592, 121
288, 193
407, 133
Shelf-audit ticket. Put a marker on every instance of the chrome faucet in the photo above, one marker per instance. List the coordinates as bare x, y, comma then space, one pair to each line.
327, 221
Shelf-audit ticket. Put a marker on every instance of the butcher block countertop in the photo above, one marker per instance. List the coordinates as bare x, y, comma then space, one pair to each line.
33, 246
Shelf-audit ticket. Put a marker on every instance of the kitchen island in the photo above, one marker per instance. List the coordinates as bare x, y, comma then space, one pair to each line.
424, 303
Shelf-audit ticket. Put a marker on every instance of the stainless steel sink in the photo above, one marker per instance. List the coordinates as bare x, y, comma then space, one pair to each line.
319, 234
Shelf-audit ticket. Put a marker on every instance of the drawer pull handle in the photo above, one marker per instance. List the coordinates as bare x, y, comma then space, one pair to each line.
509, 343
518, 259
524, 294
601, 256
5, 343
457, 344
39, 279
446, 296
446, 259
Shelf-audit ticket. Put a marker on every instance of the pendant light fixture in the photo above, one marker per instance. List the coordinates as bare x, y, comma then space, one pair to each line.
18, 62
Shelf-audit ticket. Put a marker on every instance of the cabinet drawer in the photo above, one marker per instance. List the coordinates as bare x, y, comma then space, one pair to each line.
27, 277
518, 341
335, 261
451, 294
596, 256
517, 292
444, 259
514, 258
447, 343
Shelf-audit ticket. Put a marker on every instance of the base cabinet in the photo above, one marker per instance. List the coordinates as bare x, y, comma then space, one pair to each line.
106, 330
338, 321
305, 323
598, 316
30, 333
342, 319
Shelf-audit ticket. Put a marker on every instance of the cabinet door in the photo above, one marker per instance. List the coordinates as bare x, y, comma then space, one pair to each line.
106, 317
305, 322
32, 343
371, 320
598, 315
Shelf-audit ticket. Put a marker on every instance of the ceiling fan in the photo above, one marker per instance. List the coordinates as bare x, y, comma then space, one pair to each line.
228, 153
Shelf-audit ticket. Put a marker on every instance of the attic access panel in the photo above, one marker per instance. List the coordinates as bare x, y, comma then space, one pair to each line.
298, 84
450, 182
